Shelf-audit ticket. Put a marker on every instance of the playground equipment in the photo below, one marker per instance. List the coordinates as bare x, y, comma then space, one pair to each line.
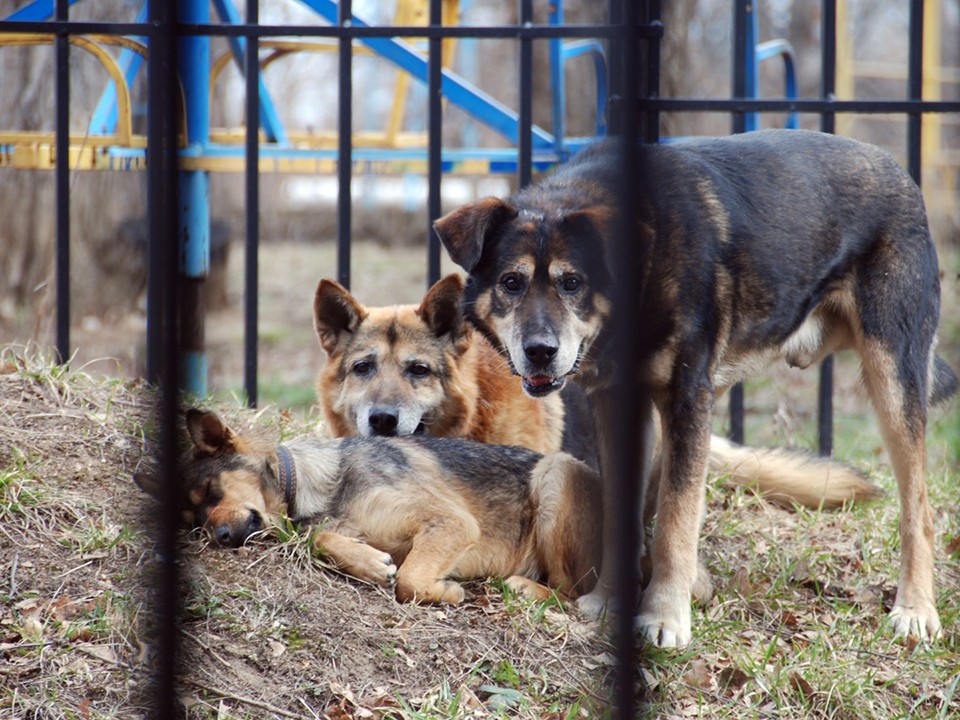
110, 143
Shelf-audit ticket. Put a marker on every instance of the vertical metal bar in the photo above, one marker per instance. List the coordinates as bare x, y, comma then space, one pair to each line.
737, 431
739, 125
828, 89
915, 89
525, 123
628, 400
435, 142
750, 71
828, 61
651, 86
155, 200
163, 308
344, 143
62, 51
558, 81
615, 67
739, 79
194, 206
252, 206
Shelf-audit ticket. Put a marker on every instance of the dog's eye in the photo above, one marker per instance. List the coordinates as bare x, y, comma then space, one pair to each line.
362, 367
571, 283
419, 369
512, 282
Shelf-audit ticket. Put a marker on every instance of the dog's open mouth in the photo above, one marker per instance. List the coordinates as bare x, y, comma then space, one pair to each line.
540, 385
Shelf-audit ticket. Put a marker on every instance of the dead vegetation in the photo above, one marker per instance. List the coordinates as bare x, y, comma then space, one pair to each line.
795, 630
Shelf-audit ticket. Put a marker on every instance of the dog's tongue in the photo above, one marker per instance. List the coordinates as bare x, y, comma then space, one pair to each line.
538, 381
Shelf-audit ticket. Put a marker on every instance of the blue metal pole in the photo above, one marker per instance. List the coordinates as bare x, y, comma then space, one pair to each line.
194, 199
268, 113
476, 102
558, 81
752, 120
104, 120
35, 11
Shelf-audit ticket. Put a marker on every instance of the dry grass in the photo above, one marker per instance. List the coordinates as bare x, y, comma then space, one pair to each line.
795, 631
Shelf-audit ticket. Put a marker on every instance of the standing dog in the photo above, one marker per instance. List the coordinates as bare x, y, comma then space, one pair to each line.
417, 512
774, 245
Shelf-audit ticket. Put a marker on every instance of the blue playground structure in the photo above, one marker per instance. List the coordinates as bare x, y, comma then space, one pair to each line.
110, 143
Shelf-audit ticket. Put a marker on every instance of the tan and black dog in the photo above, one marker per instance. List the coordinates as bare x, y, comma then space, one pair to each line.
769, 246
418, 512
408, 369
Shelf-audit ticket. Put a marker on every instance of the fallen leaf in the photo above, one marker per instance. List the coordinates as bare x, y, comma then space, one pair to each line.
101, 652
604, 659
731, 679
740, 584
798, 683
698, 676
31, 629
500, 697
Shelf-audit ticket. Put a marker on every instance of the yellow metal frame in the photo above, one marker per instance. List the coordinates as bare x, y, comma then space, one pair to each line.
32, 150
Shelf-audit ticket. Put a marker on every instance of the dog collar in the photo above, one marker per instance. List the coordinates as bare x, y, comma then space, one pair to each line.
286, 476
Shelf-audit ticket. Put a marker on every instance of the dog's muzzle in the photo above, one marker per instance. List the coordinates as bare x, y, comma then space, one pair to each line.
385, 422
227, 535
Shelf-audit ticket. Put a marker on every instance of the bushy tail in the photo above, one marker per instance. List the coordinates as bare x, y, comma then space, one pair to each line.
790, 476
944, 383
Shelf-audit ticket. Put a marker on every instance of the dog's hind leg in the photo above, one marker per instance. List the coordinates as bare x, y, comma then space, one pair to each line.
568, 525
898, 301
424, 574
897, 388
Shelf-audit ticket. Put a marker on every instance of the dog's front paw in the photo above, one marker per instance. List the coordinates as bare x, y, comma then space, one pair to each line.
664, 618
374, 566
412, 589
919, 620
592, 605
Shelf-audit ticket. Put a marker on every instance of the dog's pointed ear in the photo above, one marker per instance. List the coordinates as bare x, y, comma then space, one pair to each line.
441, 308
336, 313
210, 436
464, 231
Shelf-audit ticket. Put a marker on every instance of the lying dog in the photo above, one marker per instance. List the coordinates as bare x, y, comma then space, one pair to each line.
774, 245
408, 369
417, 512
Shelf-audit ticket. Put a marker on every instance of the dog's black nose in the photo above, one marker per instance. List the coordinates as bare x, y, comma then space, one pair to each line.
384, 421
223, 534
540, 352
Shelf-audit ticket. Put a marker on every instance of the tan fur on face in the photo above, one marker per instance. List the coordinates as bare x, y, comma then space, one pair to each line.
472, 395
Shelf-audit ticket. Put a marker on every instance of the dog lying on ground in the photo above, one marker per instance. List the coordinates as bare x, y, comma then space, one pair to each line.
408, 369
774, 245
419, 513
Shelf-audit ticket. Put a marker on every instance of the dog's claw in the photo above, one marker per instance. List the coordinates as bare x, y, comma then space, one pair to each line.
922, 623
664, 619
660, 635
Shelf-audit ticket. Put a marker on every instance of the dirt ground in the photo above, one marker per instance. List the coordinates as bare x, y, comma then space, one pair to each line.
267, 631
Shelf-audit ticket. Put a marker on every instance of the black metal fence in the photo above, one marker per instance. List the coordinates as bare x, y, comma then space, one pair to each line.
634, 109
